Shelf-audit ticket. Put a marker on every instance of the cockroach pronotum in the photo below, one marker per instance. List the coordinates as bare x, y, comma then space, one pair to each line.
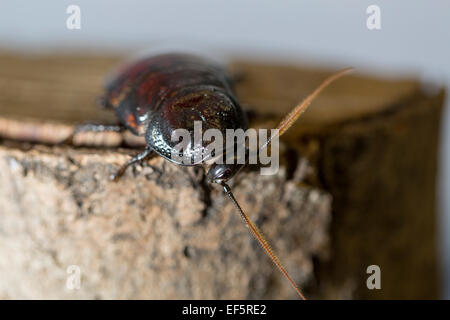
154, 96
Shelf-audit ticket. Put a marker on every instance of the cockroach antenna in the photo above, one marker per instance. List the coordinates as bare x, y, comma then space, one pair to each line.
295, 113
262, 241
284, 125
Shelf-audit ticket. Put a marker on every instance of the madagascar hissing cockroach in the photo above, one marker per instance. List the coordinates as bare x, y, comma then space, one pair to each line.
157, 95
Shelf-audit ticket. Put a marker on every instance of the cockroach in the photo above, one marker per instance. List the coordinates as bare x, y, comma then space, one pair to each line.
156, 95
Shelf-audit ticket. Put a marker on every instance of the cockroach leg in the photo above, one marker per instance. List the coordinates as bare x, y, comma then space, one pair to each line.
90, 127
99, 128
147, 153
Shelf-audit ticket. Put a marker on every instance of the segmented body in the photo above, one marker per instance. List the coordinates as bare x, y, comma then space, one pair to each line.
157, 95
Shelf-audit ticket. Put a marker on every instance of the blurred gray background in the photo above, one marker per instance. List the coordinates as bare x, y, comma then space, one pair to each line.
414, 40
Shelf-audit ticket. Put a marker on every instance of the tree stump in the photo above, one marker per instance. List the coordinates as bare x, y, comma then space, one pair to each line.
356, 187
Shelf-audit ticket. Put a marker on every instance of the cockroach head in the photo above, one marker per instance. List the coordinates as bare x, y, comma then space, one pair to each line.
233, 162
220, 173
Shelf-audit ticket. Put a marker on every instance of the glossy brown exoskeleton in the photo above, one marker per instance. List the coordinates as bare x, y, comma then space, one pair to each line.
155, 96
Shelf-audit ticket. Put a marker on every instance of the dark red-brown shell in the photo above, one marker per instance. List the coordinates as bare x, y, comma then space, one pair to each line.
157, 95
